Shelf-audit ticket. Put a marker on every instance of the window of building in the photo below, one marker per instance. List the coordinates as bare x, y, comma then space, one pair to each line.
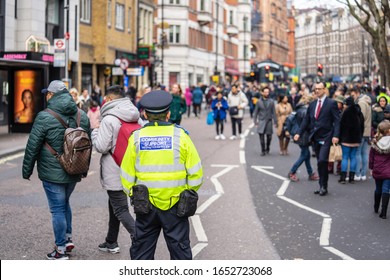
231, 17
85, 11
177, 2
202, 5
174, 34
119, 16
109, 13
52, 20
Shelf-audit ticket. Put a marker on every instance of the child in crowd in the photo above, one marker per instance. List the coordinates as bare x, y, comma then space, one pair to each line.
379, 162
219, 106
94, 114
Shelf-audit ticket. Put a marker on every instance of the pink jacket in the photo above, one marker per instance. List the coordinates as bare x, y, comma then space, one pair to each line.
94, 117
188, 96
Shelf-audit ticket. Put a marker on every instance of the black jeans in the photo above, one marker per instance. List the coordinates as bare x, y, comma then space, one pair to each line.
176, 232
219, 125
118, 208
322, 155
238, 122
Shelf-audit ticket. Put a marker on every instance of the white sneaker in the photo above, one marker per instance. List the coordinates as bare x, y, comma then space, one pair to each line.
233, 137
217, 137
364, 178
222, 136
358, 178
242, 136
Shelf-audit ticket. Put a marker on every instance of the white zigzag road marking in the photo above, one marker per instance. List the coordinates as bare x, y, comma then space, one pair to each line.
196, 221
326, 222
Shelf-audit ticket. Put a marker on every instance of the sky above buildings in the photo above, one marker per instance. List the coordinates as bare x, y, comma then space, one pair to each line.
302, 4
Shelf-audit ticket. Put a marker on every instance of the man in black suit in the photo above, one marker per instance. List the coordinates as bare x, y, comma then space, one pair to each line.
323, 123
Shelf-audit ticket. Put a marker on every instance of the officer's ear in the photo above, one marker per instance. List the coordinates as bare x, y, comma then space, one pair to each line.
168, 116
145, 115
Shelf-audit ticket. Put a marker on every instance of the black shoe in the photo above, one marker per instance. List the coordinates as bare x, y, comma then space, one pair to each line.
323, 191
317, 191
262, 154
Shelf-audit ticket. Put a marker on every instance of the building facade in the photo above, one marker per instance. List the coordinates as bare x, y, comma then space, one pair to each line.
270, 31
334, 39
202, 41
108, 43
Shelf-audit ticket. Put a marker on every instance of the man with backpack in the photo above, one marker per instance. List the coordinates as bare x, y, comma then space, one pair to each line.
58, 184
118, 117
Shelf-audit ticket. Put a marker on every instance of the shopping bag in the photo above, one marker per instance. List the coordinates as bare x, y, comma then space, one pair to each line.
210, 118
335, 153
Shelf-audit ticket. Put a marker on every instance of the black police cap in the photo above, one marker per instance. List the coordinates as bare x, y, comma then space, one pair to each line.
157, 101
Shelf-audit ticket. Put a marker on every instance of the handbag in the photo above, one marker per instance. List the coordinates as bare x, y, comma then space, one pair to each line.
210, 118
233, 110
335, 153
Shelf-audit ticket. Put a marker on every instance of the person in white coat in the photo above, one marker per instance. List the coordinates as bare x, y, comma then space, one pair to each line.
236, 100
116, 107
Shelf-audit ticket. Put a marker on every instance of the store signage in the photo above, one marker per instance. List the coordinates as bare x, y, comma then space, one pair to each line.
137, 71
45, 57
117, 71
143, 53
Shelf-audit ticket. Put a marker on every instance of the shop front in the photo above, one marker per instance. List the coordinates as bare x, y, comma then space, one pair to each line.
22, 77
232, 72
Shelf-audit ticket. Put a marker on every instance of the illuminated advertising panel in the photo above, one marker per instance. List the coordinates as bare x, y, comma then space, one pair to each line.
26, 95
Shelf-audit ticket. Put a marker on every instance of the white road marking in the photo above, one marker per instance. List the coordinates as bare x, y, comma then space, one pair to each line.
196, 221
326, 222
242, 157
18, 155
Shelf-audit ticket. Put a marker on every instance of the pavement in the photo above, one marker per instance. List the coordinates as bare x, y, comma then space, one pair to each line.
11, 143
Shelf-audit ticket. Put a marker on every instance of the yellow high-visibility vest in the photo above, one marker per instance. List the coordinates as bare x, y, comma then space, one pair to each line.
163, 158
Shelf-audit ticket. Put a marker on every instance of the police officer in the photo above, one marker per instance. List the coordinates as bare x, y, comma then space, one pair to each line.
162, 157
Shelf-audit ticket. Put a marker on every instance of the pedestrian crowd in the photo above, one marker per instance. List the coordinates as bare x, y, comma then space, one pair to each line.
159, 168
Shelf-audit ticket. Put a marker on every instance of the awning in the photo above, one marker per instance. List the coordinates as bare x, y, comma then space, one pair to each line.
232, 71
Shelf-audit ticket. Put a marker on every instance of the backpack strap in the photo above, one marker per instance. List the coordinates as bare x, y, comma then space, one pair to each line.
54, 114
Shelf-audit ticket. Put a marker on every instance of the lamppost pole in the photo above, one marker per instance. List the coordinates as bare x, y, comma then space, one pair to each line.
270, 44
67, 42
245, 46
216, 39
162, 42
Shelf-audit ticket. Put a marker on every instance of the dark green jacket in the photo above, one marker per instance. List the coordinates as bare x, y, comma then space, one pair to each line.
46, 128
178, 107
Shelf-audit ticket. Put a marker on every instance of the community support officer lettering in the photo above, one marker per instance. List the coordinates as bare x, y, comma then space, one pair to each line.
156, 143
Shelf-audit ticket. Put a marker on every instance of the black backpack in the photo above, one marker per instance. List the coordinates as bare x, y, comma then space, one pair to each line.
77, 153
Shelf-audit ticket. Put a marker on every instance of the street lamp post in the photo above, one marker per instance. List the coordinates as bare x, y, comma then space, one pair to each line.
162, 42
245, 46
270, 44
216, 39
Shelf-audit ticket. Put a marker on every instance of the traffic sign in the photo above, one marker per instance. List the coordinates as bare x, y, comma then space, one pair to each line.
59, 44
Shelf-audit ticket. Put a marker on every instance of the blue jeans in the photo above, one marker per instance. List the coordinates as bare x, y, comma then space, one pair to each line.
303, 157
349, 154
362, 158
382, 186
58, 198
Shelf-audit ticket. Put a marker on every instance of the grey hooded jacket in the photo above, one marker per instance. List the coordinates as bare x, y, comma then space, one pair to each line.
104, 139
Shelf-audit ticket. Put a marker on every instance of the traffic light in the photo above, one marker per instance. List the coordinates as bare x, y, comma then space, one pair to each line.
319, 69
267, 69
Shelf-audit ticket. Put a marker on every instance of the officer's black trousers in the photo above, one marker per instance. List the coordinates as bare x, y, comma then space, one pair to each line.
176, 232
